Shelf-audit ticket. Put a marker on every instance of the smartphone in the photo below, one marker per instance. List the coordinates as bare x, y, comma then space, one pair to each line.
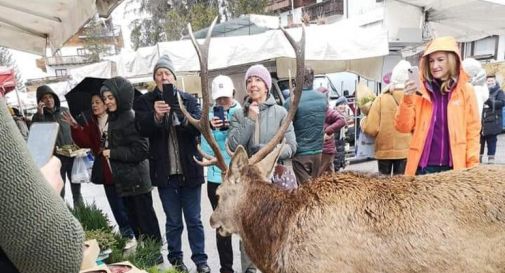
219, 112
169, 94
414, 76
41, 141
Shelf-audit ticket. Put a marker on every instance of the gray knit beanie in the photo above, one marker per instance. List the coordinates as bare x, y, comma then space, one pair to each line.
164, 62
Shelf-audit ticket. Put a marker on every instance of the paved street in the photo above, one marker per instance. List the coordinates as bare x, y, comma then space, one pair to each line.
95, 193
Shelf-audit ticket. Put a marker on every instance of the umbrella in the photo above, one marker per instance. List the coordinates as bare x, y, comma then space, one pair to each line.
79, 97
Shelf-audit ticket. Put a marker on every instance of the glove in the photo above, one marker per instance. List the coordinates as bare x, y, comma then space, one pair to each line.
255, 148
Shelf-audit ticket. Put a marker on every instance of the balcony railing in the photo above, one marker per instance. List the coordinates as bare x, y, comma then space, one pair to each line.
324, 9
110, 33
68, 60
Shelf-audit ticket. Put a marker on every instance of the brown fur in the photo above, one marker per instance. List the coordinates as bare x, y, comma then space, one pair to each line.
352, 222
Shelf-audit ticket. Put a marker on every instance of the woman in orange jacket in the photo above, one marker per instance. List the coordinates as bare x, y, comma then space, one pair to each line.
442, 114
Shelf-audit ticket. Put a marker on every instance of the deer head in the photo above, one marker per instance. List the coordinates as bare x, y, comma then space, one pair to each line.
242, 170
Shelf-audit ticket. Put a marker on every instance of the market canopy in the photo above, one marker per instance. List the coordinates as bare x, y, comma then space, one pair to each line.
329, 48
466, 20
33, 25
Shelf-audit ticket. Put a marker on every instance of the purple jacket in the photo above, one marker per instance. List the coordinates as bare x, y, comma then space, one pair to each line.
333, 122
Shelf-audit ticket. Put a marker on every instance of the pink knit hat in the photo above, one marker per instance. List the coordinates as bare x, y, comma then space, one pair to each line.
261, 72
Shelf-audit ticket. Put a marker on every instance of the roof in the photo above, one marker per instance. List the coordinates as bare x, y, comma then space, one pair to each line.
33, 25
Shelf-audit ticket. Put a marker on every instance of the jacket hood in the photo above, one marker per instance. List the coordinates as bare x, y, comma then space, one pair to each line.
45, 89
447, 44
122, 90
475, 71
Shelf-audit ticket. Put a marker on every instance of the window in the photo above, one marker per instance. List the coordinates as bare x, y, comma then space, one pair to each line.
82, 52
60, 72
483, 49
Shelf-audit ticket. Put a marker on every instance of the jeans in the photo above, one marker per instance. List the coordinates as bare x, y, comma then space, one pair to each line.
66, 171
118, 208
177, 200
224, 246
142, 217
306, 167
432, 169
397, 166
491, 144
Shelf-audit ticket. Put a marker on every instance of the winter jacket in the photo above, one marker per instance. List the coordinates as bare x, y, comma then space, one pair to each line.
187, 137
128, 150
414, 115
333, 123
308, 122
37, 231
492, 116
213, 172
88, 136
379, 123
64, 134
271, 115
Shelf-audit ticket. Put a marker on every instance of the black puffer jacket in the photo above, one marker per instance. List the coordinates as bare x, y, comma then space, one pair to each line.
492, 120
128, 150
187, 137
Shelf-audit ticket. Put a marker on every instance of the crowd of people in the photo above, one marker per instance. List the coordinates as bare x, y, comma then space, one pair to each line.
442, 124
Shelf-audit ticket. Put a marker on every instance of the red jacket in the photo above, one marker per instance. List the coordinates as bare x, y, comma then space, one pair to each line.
333, 122
88, 136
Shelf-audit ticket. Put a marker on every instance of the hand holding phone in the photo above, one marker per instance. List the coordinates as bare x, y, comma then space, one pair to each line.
41, 141
414, 83
219, 113
169, 94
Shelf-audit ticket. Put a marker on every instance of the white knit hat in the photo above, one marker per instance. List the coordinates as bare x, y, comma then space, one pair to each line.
400, 74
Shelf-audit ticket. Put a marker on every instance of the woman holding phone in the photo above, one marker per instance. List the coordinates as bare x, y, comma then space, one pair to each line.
93, 135
441, 113
224, 108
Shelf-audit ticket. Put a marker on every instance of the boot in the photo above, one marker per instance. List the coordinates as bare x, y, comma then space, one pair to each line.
490, 159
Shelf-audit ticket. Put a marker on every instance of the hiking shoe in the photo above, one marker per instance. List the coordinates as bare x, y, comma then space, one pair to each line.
203, 268
180, 266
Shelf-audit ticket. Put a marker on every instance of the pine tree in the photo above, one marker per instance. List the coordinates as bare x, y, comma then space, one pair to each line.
168, 19
7, 60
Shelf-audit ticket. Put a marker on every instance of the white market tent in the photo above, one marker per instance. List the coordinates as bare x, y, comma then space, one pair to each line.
466, 20
329, 48
34, 25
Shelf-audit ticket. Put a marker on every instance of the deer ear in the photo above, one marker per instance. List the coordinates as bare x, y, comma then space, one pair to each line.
267, 164
238, 161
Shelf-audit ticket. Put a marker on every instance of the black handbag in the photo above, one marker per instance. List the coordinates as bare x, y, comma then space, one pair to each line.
97, 176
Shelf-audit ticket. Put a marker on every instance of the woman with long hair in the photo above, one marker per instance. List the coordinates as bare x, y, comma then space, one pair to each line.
442, 113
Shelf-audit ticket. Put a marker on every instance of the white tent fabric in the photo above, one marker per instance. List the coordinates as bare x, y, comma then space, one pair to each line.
466, 20
33, 25
339, 46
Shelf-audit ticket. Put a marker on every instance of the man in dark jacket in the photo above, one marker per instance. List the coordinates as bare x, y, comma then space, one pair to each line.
492, 120
172, 147
309, 129
127, 153
49, 110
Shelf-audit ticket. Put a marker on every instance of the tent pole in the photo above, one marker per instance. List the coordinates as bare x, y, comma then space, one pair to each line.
19, 103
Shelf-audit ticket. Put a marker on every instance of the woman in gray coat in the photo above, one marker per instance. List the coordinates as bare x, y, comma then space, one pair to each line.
253, 127
261, 117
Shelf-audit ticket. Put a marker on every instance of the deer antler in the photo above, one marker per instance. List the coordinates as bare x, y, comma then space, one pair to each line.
203, 124
299, 48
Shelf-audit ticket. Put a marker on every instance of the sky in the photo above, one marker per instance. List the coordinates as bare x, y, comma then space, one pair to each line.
26, 61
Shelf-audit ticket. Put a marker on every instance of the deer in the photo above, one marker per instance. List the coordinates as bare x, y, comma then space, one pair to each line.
354, 222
